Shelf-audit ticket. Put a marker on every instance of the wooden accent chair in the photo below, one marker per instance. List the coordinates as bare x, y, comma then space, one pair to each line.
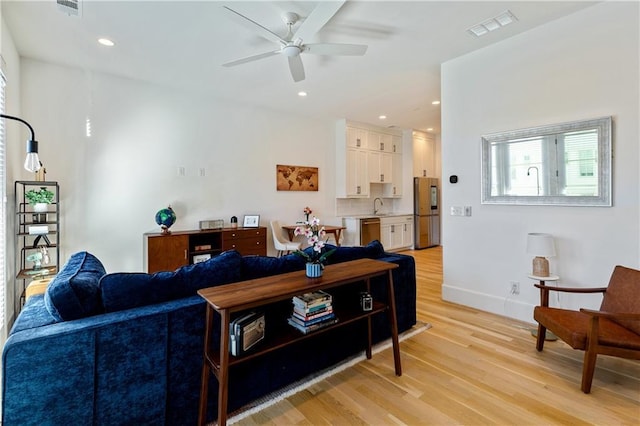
613, 330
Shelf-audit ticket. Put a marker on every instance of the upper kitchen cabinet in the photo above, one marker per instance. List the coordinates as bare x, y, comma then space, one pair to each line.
357, 177
380, 166
396, 144
424, 155
356, 138
394, 189
367, 154
352, 173
377, 141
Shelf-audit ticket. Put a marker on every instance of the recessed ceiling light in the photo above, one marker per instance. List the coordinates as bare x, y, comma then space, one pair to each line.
382, 117
429, 129
302, 94
435, 103
106, 42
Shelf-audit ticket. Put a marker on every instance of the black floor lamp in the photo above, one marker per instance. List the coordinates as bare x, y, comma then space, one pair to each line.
32, 162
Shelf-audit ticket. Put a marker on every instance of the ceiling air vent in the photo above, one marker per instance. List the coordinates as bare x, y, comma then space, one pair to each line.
492, 24
70, 7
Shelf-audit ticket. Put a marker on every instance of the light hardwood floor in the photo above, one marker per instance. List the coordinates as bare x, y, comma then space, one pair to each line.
471, 368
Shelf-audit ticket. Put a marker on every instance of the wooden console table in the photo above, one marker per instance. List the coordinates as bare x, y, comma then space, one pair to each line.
167, 252
242, 296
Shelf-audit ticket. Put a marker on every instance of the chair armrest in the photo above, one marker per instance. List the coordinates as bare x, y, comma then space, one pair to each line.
572, 289
544, 292
612, 315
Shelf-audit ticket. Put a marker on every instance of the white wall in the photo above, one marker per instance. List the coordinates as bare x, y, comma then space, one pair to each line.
579, 67
113, 183
16, 135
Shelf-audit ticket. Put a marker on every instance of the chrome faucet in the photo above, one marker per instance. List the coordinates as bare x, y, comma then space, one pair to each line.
375, 210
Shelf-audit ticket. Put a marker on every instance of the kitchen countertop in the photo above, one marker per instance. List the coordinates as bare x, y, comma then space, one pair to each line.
379, 215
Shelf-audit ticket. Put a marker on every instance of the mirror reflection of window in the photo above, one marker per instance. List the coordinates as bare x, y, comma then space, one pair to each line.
567, 164
581, 163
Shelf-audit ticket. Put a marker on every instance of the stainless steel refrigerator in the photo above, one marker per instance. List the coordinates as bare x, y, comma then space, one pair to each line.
426, 210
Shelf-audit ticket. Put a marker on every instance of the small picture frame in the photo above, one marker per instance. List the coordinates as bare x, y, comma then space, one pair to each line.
251, 221
201, 258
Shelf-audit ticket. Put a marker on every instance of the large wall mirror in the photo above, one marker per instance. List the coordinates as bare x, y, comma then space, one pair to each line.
563, 164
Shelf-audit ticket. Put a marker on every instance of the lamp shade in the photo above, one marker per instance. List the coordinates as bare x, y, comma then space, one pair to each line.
540, 244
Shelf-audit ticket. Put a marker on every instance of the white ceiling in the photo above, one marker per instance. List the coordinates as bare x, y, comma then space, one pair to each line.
183, 44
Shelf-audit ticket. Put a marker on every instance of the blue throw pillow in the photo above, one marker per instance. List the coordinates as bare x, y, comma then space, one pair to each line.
131, 290
74, 293
222, 269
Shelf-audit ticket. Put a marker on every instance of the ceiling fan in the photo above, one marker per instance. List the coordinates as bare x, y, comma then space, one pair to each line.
293, 44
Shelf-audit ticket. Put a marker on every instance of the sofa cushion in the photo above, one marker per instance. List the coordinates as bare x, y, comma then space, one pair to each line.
130, 290
74, 293
134, 289
33, 314
373, 250
262, 266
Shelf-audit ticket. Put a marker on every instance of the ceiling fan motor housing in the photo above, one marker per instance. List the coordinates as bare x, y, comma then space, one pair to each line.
291, 50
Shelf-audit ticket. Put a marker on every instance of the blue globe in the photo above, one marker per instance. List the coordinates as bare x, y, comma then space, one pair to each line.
165, 218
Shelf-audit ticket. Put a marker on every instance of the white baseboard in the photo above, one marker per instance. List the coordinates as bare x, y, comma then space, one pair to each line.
505, 306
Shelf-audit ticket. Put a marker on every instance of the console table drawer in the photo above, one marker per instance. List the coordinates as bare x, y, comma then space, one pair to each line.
246, 241
238, 234
246, 246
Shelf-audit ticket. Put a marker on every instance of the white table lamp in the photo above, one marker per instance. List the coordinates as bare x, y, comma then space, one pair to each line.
541, 246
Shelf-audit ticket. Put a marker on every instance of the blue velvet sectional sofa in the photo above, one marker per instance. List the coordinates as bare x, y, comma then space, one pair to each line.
126, 348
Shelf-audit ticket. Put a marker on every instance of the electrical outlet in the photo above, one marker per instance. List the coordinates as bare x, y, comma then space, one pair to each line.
514, 287
467, 210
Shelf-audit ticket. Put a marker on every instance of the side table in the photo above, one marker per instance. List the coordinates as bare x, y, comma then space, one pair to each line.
37, 287
544, 299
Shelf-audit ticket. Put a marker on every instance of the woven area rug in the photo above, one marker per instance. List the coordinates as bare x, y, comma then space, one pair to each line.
274, 397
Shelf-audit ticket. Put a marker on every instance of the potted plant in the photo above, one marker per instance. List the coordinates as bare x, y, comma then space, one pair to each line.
39, 199
317, 255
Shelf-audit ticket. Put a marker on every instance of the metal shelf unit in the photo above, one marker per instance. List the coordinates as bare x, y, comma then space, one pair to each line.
31, 237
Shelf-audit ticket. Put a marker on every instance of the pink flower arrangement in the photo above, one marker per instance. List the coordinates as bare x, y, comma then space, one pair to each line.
314, 234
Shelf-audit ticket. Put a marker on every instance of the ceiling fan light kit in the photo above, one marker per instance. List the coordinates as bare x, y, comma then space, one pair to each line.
293, 45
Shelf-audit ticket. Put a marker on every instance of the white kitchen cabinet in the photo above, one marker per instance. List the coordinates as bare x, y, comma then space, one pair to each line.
377, 141
396, 232
394, 189
364, 155
385, 235
424, 155
357, 173
396, 144
351, 173
380, 166
356, 138
407, 231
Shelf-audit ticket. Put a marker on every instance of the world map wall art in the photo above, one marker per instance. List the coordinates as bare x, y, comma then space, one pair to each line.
296, 178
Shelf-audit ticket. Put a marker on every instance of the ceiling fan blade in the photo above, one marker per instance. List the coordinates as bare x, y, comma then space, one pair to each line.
296, 68
251, 58
317, 19
336, 49
263, 31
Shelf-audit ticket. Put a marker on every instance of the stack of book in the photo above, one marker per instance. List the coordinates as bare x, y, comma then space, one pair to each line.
312, 311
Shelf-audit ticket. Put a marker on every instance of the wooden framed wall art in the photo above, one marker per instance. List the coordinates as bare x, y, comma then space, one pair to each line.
296, 178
